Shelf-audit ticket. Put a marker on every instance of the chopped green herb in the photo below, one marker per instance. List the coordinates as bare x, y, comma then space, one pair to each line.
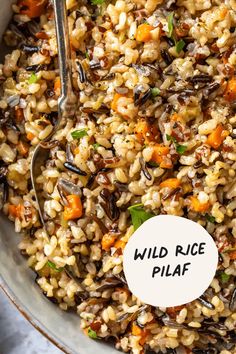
155, 91
169, 137
180, 149
179, 45
92, 334
78, 134
96, 145
153, 163
33, 79
54, 267
170, 20
210, 218
87, 55
97, 2
224, 277
139, 215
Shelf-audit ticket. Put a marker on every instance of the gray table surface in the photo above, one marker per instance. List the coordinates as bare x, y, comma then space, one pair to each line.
17, 336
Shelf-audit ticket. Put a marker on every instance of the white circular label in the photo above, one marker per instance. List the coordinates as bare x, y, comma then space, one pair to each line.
169, 261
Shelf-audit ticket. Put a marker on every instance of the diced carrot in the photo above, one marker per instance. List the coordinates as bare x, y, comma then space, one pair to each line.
216, 138
15, 210
76, 150
170, 183
176, 118
230, 92
19, 115
197, 206
145, 132
144, 32
108, 240
159, 156
120, 244
23, 148
32, 8
74, 210
137, 331
57, 85
223, 13
30, 136
232, 255
114, 103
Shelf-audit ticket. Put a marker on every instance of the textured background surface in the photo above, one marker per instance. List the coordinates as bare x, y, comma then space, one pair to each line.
17, 336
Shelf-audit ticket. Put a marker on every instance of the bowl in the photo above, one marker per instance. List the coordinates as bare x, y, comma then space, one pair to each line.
18, 282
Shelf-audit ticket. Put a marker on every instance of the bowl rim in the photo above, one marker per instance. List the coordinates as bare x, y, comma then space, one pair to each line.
30, 318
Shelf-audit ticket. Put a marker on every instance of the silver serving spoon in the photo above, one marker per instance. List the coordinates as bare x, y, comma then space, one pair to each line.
66, 103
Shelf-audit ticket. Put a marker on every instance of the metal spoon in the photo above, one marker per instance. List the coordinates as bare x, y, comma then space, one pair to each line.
66, 102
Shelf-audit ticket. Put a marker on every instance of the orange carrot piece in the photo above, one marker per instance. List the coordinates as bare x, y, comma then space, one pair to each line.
232, 255
170, 183
76, 150
137, 331
30, 136
57, 85
32, 8
145, 132
159, 156
114, 103
74, 210
120, 244
144, 32
15, 210
197, 206
23, 148
216, 138
230, 92
176, 118
108, 241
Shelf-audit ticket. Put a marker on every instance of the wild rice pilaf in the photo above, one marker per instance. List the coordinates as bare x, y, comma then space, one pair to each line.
155, 131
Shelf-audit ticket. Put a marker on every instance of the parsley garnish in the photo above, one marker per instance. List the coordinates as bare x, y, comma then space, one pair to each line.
33, 79
78, 134
92, 334
87, 55
224, 277
96, 145
210, 218
155, 91
179, 45
153, 163
170, 20
180, 149
54, 267
139, 215
97, 2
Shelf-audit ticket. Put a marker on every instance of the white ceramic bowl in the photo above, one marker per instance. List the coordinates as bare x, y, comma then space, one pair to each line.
18, 281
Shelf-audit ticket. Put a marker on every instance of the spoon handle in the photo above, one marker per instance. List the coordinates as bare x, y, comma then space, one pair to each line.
64, 51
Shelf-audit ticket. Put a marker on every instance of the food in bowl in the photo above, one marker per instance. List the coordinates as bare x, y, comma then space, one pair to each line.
154, 134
